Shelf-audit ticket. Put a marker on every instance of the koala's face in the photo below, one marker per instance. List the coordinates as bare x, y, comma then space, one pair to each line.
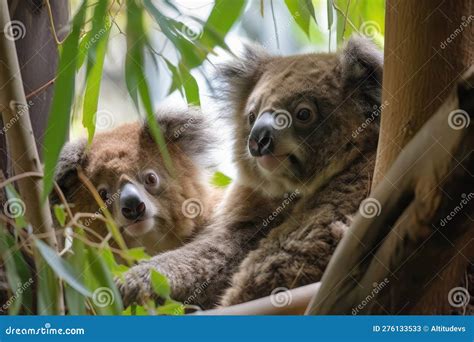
129, 175
296, 115
145, 198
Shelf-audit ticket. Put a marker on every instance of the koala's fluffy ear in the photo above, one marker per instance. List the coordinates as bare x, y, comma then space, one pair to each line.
362, 66
192, 131
71, 158
238, 77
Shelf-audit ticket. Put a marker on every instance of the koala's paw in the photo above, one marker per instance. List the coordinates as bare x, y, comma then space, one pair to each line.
134, 285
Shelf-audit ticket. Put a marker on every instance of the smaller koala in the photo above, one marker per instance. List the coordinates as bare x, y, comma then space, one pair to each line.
154, 207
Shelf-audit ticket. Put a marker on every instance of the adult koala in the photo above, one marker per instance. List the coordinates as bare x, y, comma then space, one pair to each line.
304, 167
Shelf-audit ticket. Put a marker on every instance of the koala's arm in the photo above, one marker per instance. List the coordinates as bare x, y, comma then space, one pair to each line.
200, 270
293, 255
196, 271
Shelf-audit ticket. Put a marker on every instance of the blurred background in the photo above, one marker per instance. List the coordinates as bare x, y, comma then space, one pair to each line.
280, 26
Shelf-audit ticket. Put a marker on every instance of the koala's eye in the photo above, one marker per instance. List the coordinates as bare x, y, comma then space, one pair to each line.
104, 194
151, 178
304, 114
251, 118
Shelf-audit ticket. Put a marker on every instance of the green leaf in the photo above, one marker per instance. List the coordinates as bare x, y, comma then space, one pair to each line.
135, 310
171, 308
160, 284
96, 53
217, 25
83, 50
18, 274
302, 12
75, 300
48, 289
135, 75
220, 180
60, 214
138, 253
61, 267
191, 88
330, 13
59, 116
106, 297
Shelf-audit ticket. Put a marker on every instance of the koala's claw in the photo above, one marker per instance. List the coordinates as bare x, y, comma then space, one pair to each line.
134, 286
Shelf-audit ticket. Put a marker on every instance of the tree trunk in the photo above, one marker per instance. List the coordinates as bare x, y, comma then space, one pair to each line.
428, 46
393, 259
19, 135
38, 58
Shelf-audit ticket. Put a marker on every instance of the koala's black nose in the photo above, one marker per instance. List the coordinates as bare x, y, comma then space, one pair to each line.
131, 204
262, 136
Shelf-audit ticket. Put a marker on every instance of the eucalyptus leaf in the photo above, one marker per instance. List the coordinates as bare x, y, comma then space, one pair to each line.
61, 267
97, 48
160, 284
59, 116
